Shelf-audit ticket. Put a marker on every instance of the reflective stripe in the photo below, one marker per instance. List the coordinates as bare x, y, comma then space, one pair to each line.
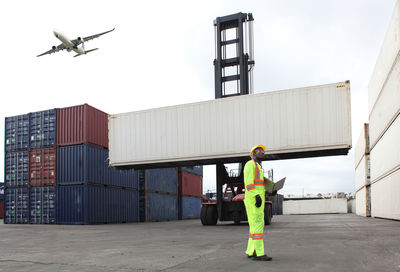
257, 173
257, 236
258, 183
250, 236
250, 187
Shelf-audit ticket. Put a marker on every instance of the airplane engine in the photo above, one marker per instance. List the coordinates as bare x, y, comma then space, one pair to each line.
54, 47
80, 39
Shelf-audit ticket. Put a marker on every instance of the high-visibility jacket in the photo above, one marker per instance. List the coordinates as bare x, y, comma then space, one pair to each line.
254, 185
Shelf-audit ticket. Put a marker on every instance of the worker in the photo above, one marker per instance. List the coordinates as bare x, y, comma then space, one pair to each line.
254, 202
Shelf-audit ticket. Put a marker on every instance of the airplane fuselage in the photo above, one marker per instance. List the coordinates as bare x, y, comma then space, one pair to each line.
79, 49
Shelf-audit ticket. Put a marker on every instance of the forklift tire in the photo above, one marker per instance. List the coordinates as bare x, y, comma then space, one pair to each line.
203, 215
267, 214
212, 215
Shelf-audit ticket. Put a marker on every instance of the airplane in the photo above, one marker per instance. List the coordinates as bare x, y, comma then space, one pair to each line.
77, 45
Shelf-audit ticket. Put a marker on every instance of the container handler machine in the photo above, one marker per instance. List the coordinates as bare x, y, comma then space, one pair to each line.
233, 66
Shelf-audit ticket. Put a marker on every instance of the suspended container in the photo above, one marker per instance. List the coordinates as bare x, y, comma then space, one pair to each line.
16, 169
42, 171
94, 204
42, 203
16, 205
82, 124
189, 184
43, 128
189, 207
87, 164
16, 132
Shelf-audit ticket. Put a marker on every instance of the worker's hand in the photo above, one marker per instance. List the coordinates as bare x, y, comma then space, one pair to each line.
258, 201
274, 192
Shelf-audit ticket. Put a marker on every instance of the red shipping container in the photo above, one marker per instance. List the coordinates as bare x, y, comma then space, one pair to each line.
42, 167
82, 124
1, 209
189, 184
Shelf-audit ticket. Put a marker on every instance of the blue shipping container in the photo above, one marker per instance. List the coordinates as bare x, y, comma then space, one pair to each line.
189, 207
16, 169
87, 164
16, 206
164, 180
161, 207
43, 131
43, 205
195, 170
93, 204
16, 132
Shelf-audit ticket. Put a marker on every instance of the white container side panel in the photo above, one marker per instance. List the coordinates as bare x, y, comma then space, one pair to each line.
362, 173
385, 200
386, 57
387, 106
385, 156
362, 147
306, 119
361, 202
315, 206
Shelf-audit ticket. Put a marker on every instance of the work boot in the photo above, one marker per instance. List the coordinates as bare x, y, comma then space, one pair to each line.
262, 258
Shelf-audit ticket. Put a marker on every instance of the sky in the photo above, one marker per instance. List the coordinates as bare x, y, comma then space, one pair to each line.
161, 54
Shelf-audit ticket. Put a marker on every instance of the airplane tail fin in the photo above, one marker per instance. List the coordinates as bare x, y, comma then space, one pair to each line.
86, 52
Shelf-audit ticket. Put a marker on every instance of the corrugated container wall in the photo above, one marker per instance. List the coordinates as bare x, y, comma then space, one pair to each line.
189, 207
16, 169
43, 129
1, 209
384, 64
385, 156
42, 167
362, 146
387, 105
306, 119
363, 172
362, 201
161, 207
190, 185
87, 164
42, 203
90, 204
82, 124
16, 132
164, 180
16, 205
385, 197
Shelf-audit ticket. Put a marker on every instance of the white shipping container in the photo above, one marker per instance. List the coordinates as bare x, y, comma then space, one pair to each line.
362, 146
362, 173
297, 120
389, 50
385, 200
385, 156
361, 202
387, 107
315, 206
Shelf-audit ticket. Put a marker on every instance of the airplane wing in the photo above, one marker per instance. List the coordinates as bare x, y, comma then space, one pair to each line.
53, 50
88, 38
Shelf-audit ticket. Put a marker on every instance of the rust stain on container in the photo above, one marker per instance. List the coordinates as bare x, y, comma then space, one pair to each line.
82, 124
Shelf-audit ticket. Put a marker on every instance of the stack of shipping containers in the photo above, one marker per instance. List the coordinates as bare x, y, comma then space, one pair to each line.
190, 192
57, 171
89, 191
16, 170
362, 173
384, 124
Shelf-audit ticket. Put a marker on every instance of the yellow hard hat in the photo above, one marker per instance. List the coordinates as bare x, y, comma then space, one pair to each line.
255, 147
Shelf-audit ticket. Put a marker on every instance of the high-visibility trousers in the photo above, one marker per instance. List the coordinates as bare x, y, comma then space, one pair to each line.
255, 217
